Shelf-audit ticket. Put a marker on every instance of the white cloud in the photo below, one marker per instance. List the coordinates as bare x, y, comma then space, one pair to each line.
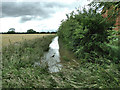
61, 1
7, 23
47, 24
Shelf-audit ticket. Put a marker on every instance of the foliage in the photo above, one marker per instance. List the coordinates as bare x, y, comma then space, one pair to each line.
112, 8
31, 31
11, 31
113, 46
86, 33
19, 70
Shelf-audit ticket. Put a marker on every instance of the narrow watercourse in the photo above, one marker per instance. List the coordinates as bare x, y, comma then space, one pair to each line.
52, 57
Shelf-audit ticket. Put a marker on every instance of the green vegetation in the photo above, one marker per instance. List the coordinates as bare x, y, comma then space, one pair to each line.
91, 58
96, 48
112, 7
87, 35
11, 31
30, 31
18, 63
19, 70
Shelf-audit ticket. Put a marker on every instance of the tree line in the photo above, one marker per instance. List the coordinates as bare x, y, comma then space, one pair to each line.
30, 31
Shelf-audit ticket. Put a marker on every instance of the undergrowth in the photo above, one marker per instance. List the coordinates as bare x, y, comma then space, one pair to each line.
19, 70
18, 63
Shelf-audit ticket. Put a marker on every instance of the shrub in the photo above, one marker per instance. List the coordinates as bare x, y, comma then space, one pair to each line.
86, 33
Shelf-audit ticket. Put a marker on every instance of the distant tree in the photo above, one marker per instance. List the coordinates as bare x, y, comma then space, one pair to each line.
31, 31
11, 31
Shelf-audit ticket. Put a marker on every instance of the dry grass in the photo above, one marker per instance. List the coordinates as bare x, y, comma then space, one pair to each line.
15, 38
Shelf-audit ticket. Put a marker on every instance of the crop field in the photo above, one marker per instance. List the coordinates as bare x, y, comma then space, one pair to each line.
15, 38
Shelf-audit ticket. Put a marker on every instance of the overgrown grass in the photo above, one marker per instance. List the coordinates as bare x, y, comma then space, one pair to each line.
19, 70
88, 75
104, 73
18, 63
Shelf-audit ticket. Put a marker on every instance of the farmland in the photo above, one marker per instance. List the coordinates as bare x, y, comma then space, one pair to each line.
8, 39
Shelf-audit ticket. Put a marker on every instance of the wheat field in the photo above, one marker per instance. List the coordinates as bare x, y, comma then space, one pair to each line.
15, 38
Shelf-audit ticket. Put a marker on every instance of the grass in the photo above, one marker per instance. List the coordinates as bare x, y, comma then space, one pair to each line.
66, 56
87, 76
18, 63
78, 74
19, 70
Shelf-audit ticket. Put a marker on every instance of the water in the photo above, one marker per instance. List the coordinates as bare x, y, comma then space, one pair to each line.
52, 57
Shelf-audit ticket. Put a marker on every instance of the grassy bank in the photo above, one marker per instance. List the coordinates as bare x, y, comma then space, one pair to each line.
78, 73
18, 63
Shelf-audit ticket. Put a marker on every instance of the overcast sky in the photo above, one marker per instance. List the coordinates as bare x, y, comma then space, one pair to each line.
40, 15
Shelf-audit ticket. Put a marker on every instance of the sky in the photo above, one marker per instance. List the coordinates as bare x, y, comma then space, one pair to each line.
39, 15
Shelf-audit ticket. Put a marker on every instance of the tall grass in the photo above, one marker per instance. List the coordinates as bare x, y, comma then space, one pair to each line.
88, 75
83, 74
18, 63
19, 70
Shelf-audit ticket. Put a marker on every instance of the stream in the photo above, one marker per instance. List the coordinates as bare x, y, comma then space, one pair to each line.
52, 57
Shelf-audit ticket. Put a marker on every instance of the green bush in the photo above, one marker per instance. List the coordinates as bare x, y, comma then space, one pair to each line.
86, 33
